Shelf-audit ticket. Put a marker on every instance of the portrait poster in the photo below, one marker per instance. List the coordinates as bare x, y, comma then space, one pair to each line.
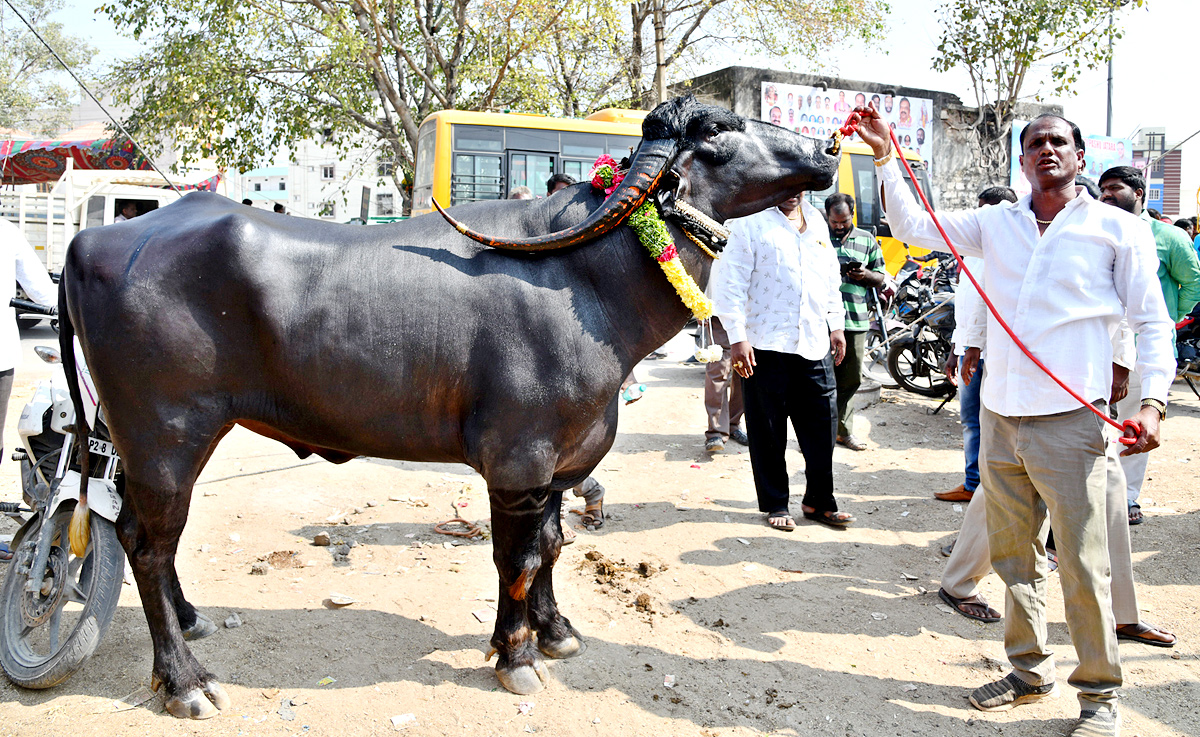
818, 112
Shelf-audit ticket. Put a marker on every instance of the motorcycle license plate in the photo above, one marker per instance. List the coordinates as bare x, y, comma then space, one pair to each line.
103, 447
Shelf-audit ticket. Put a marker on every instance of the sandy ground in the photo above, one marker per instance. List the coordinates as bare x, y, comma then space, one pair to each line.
816, 632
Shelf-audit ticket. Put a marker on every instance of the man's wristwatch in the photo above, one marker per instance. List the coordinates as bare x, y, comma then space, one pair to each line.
1158, 405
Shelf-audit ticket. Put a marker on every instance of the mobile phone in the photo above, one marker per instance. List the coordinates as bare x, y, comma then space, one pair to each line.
851, 266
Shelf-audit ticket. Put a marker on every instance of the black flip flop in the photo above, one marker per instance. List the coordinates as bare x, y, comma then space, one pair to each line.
825, 519
788, 526
956, 604
1143, 628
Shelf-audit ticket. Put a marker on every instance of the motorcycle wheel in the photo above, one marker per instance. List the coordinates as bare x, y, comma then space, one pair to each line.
875, 355
46, 636
915, 371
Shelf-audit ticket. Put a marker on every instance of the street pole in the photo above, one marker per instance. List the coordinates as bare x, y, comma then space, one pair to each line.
1108, 123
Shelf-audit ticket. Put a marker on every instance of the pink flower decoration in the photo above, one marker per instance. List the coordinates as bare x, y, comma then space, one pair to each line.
617, 179
668, 253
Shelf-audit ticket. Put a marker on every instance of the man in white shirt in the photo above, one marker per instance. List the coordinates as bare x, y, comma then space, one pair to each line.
1061, 269
128, 212
19, 264
777, 292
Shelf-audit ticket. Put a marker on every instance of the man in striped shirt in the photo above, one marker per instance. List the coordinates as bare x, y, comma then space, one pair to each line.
862, 270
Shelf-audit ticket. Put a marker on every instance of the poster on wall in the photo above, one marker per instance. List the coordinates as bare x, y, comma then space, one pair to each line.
1101, 153
818, 112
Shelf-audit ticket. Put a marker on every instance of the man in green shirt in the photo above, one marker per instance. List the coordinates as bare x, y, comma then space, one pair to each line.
1179, 277
862, 270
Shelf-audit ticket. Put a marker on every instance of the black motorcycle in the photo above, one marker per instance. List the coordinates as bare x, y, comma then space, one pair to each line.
917, 357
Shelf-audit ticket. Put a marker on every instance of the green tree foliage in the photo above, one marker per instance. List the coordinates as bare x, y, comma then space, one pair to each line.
1001, 45
237, 79
35, 94
692, 30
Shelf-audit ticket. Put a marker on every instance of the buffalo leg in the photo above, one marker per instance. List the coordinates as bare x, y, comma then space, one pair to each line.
517, 521
151, 521
556, 637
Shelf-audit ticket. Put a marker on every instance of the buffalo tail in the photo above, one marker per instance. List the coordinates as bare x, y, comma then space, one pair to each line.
80, 530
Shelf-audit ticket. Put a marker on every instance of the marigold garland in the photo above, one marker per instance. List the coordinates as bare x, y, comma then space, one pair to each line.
653, 234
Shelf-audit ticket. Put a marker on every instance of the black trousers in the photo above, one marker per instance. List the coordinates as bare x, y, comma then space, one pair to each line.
786, 387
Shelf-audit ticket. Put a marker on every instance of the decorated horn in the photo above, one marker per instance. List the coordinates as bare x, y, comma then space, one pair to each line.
651, 161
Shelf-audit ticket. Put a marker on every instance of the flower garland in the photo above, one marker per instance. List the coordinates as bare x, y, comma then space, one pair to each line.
653, 234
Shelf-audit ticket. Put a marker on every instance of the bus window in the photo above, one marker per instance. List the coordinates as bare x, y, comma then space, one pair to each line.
475, 178
529, 170
576, 168
478, 138
618, 146
423, 179
530, 139
817, 199
583, 145
865, 198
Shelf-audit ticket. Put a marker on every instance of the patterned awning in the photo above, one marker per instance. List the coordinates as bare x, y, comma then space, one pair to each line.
29, 162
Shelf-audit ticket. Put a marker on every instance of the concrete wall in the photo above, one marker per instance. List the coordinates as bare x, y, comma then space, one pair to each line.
958, 174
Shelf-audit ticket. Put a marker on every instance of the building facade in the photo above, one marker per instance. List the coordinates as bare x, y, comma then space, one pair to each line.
1163, 169
319, 181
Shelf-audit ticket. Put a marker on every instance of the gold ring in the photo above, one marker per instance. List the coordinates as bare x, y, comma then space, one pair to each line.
738, 364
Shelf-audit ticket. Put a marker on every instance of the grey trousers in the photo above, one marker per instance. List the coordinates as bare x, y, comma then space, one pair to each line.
1054, 466
1135, 465
972, 558
6, 382
722, 389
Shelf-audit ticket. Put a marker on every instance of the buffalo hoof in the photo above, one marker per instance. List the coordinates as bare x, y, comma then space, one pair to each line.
194, 704
217, 695
201, 629
524, 680
568, 647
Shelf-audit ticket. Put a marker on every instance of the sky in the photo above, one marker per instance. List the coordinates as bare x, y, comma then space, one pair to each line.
1152, 77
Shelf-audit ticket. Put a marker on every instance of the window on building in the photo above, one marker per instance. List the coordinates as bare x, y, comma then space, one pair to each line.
282, 186
258, 186
385, 168
328, 209
327, 171
384, 204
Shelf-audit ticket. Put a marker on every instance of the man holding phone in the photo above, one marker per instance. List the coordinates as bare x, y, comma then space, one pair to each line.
862, 269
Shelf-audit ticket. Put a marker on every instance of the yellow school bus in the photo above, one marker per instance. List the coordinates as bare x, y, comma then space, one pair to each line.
466, 156
858, 177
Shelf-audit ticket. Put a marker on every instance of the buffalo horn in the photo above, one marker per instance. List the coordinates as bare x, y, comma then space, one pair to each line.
651, 161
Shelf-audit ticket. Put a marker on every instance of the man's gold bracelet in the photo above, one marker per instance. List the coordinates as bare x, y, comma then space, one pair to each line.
1158, 405
886, 158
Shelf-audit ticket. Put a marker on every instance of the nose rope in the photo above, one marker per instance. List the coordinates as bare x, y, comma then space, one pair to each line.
849, 129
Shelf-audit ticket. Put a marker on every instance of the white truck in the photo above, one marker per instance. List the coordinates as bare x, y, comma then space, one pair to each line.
79, 199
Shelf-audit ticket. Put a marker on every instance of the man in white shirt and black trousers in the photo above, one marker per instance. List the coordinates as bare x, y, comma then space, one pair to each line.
1062, 269
777, 292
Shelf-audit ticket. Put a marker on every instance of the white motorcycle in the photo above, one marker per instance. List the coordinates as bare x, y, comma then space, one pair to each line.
54, 606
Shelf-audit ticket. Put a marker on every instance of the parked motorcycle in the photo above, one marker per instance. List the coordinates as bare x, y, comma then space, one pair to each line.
55, 607
1187, 347
917, 357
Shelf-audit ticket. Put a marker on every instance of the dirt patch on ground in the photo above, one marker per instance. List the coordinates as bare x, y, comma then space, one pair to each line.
700, 620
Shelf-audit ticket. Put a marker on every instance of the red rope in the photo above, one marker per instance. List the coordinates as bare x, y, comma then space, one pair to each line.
849, 129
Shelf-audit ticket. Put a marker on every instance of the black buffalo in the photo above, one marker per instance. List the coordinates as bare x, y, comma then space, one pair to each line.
410, 341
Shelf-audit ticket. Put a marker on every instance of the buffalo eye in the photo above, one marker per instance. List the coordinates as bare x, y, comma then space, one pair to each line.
711, 133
